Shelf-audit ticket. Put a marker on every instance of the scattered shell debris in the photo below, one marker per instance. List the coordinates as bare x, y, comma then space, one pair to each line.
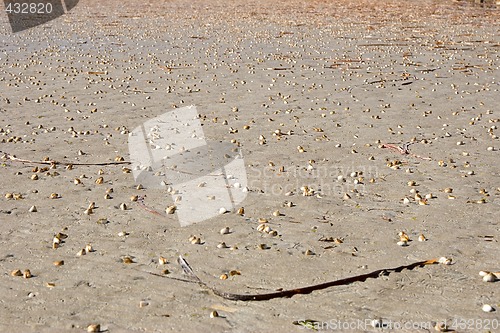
307, 92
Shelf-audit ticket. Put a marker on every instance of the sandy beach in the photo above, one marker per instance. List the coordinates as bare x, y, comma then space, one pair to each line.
317, 96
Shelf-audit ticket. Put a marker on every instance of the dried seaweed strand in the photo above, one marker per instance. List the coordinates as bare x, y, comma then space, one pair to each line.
304, 290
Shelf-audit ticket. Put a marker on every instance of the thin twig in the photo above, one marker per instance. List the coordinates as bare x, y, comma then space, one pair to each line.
404, 149
140, 202
53, 162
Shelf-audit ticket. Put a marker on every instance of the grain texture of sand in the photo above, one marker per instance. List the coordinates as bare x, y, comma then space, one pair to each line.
309, 91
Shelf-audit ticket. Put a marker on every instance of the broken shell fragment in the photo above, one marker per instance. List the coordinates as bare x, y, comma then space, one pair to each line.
214, 314
16, 272
127, 260
273, 233
134, 198
54, 195
261, 227
195, 240
234, 272
33, 209
422, 238
483, 273
422, 202
445, 261
223, 276
489, 277
93, 328
89, 248
88, 211
27, 274
403, 236
58, 263
402, 243
82, 252
99, 180
277, 213
171, 209
241, 211
225, 231
222, 245
162, 260
441, 327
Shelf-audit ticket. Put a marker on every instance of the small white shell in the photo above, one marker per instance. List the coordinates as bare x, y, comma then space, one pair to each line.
406, 201
445, 261
261, 227
123, 206
402, 243
33, 209
89, 248
225, 231
171, 209
222, 210
487, 308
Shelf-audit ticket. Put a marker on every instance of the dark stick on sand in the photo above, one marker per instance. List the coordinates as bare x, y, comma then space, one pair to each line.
304, 290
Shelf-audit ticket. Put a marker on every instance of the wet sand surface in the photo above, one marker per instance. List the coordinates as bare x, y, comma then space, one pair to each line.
310, 91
